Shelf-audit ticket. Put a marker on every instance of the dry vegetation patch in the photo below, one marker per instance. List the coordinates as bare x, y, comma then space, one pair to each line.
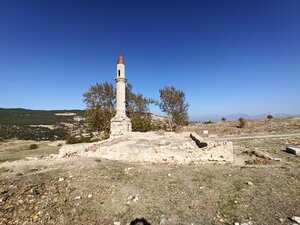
252, 127
89, 191
81, 190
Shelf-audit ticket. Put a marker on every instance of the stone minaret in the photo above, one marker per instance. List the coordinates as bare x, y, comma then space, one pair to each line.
120, 124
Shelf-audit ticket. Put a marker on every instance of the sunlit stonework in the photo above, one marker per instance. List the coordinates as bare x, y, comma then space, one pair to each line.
120, 124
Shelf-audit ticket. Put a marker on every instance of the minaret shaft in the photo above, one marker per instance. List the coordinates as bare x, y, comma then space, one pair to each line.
121, 88
121, 97
120, 124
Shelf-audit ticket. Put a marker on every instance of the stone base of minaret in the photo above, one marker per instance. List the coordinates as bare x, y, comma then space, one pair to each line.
119, 125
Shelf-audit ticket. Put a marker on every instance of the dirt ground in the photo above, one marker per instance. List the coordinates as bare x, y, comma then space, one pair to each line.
262, 186
15, 150
252, 127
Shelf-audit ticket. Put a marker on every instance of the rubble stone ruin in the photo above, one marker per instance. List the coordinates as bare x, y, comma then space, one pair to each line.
120, 124
154, 147
149, 147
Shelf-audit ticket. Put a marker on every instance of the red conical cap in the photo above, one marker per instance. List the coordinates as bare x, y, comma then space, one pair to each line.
120, 59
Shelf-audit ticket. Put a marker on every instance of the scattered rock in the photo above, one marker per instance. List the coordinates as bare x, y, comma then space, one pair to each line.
117, 223
4, 198
90, 196
20, 174
133, 198
61, 179
34, 191
173, 199
193, 206
70, 189
255, 153
163, 220
33, 169
258, 161
77, 198
293, 150
249, 183
296, 219
276, 159
163, 142
31, 158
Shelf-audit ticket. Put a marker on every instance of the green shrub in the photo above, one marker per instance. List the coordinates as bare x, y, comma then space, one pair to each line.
74, 140
141, 123
269, 117
105, 135
33, 146
71, 140
84, 140
242, 123
223, 119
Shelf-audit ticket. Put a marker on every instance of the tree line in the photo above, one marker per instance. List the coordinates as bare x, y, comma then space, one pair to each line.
19, 116
100, 101
25, 132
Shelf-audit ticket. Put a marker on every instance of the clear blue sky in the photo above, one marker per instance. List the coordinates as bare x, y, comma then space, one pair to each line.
228, 56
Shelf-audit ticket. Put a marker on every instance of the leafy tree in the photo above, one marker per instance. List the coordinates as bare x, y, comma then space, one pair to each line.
101, 103
138, 110
101, 107
242, 122
136, 103
223, 119
172, 102
269, 117
141, 122
99, 119
101, 96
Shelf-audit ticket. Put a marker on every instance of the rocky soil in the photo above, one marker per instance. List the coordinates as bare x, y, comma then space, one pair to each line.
154, 147
252, 127
261, 186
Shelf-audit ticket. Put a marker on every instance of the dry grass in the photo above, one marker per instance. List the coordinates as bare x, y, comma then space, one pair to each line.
30, 191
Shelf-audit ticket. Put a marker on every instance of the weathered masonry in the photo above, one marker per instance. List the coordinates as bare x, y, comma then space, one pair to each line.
120, 124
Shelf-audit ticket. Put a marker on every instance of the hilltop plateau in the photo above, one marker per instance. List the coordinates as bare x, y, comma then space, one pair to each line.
260, 186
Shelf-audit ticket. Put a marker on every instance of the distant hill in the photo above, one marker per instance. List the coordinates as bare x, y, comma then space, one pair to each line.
216, 118
19, 116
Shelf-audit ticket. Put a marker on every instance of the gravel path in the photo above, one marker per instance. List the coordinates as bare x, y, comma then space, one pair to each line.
254, 137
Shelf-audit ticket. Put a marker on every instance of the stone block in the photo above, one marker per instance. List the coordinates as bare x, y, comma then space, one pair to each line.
119, 125
293, 150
